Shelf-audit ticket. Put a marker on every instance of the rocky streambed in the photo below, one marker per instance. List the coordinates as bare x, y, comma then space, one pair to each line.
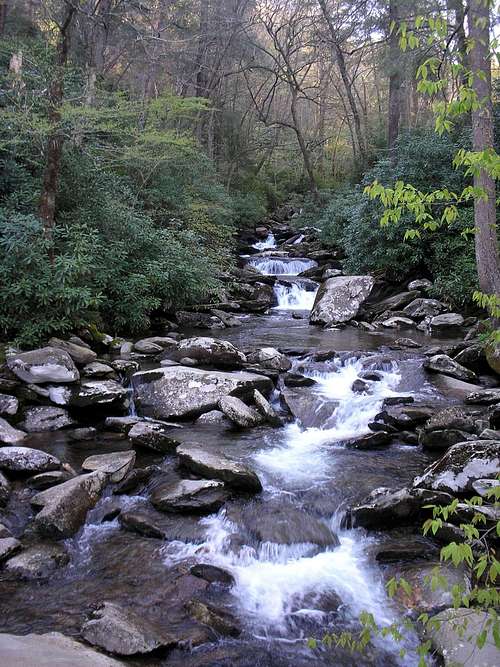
244, 480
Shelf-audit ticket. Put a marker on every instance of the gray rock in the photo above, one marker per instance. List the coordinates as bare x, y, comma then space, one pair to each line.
25, 459
226, 318
223, 623
65, 506
123, 632
442, 363
489, 434
210, 352
441, 440
133, 479
190, 496
153, 435
211, 465
90, 393
187, 392
461, 466
121, 424
154, 344
212, 574
450, 418
405, 416
37, 562
4, 531
454, 632
395, 302
9, 434
48, 364
420, 308
114, 464
9, 405
97, 369
406, 342
5, 490
266, 409
45, 418
451, 387
49, 650
370, 441
79, 353
213, 417
339, 299
484, 397
240, 414
483, 487
420, 284
124, 366
84, 433
397, 322
44, 480
331, 273
271, 358
8, 547
446, 322
424, 597
199, 320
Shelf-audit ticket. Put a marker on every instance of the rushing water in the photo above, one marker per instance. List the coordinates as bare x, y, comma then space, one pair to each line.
267, 244
281, 266
295, 295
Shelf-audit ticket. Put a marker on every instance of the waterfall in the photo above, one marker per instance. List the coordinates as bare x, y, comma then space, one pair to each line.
267, 244
297, 295
281, 266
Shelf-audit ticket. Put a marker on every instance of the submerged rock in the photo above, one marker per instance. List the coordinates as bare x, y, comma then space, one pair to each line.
190, 496
338, 299
48, 364
27, 460
211, 465
37, 562
123, 632
186, 392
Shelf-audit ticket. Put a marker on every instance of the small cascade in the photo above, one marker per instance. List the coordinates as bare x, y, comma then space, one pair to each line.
267, 244
281, 266
296, 295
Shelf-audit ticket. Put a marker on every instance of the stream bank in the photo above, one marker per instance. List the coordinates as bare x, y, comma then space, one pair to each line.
231, 518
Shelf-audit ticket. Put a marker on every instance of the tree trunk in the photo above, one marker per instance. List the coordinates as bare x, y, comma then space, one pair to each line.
97, 44
395, 78
3, 15
486, 237
55, 140
303, 146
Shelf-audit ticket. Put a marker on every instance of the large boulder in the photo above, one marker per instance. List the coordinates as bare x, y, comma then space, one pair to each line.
209, 352
442, 363
123, 632
45, 418
65, 506
48, 364
420, 308
190, 496
27, 460
338, 299
270, 358
80, 354
446, 428
49, 650
446, 323
10, 435
217, 466
114, 464
180, 391
90, 393
461, 466
239, 413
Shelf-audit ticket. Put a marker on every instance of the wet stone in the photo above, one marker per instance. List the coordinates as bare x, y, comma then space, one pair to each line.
37, 562
190, 496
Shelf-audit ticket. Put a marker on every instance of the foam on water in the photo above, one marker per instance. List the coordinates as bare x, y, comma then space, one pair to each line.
281, 266
267, 244
294, 297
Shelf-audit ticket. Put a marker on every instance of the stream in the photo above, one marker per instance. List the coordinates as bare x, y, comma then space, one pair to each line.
292, 579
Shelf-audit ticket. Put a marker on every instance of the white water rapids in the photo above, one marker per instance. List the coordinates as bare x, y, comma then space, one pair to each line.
281, 266
267, 244
295, 296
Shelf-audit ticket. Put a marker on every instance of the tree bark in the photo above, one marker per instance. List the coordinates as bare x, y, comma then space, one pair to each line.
395, 78
97, 44
55, 140
486, 237
3, 15
303, 146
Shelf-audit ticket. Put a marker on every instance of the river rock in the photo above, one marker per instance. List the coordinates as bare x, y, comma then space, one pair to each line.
44, 480
9, 434
65, 506
114, 464
451, 418
298, 380
445, 323
370, 441
121, 424
441, 440
187, 392
142, 521
213, 417
27, 460
395, 302
190, 496
9, 405
5, 490
50, 649
218, 466
385, 508
442, 363
122, 632
37, 562
240, 414
271, 358
266, 409
198, 320
8, 547
339, 299
454, 632
79, 353
124, 366
154, 344
210, 352
425, 598
97, 369
404, 417
461, 466
221, 621
212, 574
45, 418
153, 435
90, 393
48, 364
420, 284
420, 308
397, 322
484, 397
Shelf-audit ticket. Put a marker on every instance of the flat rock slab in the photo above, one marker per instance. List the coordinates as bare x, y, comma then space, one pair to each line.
442, 363
191, 496
50, 650
47, 364
27, 460
90, 393
114, 464
65, 506
46, 418
122, 632
217, 466
209, 351
181, 391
